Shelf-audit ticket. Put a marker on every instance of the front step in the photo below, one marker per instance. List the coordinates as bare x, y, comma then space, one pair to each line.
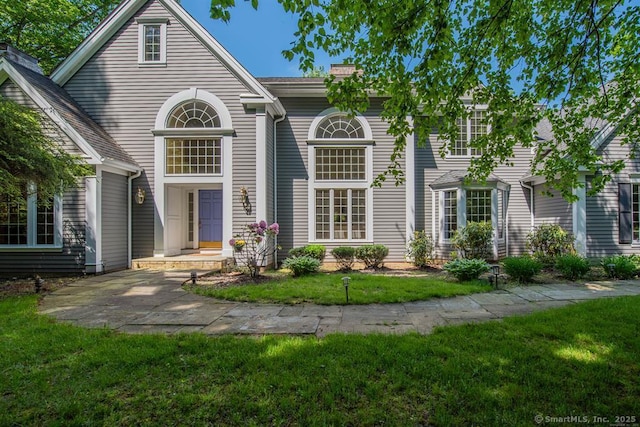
184, 262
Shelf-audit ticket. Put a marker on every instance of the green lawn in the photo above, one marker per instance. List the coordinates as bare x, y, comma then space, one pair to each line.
327, 288
581, 360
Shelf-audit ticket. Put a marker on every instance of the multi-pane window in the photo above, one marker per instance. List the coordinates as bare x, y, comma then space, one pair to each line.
13, 222
469, 129
29, 223
478, 205
340, 178
193, 157
341, 164
341, 214
152, 43
450, 213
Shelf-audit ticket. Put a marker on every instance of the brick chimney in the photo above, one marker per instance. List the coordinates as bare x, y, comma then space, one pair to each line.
19, 57
343, 70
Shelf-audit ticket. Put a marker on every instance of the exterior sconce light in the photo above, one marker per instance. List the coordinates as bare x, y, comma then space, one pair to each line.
345, 282
244, 198
495, 270
140, 195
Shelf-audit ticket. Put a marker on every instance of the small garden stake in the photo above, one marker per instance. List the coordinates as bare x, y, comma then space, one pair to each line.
345, 282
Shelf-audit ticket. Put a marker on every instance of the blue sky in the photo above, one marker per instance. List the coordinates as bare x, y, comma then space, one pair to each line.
255, 38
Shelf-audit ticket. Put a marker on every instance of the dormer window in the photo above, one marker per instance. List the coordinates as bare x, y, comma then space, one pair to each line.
152, 41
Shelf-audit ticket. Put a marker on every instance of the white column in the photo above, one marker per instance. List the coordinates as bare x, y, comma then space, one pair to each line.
158, 198
579, 208
227, 195
410, 183
261, 165
93, 221
494, 221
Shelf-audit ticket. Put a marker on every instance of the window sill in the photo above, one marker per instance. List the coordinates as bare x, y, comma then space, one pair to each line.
342, 241
24, 248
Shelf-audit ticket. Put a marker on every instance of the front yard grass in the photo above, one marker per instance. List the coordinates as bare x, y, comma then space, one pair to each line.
580, 360
327, 288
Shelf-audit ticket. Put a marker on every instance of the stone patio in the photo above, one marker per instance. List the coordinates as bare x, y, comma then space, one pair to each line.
144, 301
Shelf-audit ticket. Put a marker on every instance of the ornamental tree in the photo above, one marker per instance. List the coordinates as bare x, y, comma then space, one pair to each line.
253, 245
571, 63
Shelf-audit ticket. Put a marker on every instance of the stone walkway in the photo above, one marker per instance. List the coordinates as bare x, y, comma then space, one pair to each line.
154, 302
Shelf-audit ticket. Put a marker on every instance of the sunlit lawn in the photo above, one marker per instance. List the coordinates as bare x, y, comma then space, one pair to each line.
581, 360
364, 288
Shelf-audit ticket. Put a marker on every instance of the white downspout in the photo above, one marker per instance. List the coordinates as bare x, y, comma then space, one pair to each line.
129, 226
275, 185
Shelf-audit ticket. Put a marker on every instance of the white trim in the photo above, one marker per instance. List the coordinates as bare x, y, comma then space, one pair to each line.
142, 24
494, 221
261, 166
579, 216
410, 195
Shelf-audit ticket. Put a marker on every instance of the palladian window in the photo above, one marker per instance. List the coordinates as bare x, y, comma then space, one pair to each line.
193, 156
341, 179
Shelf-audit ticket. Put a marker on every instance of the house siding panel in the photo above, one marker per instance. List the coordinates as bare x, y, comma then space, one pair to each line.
552, 209
602, 209
114, 220
388, 202
125, 98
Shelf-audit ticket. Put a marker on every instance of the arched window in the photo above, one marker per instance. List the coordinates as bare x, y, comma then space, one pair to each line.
193, 114
340, 126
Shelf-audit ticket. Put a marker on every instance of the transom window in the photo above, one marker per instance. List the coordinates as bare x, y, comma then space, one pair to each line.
194, 114
30, 223
340, 126
193, 157
469, 129
342, 164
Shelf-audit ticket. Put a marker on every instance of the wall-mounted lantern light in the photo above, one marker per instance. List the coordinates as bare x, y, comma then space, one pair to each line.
140, 195
244, 198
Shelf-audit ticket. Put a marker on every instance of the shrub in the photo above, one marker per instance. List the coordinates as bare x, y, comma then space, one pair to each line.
344, 255
301, 265
372, 255
467, 269
522, 269
314, 251
474, 240
253, 245
548, 241
624, 267
420, 249
572, 267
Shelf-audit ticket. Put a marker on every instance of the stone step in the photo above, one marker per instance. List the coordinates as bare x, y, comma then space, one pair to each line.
184, 262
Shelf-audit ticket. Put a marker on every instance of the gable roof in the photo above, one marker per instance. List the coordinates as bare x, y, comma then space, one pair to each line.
57, 104
125, 11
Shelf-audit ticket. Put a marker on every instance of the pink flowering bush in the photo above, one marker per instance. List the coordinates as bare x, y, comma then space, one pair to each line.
252, 246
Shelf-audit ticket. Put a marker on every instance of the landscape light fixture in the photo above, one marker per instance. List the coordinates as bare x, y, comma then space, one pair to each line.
345, 282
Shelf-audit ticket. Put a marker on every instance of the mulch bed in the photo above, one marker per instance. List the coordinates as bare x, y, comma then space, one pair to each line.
26, 286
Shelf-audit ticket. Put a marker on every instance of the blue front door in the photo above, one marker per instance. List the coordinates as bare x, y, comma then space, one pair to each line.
210, 211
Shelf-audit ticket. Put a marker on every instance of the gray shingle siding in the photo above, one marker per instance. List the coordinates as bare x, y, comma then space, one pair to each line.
114, 220
125, 98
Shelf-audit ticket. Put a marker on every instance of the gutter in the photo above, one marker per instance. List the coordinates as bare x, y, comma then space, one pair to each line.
129, 214
275, 184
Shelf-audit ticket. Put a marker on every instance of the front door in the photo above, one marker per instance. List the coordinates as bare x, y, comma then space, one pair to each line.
210, 218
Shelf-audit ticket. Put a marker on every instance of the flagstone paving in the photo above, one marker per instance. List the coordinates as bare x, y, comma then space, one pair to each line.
143, 301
